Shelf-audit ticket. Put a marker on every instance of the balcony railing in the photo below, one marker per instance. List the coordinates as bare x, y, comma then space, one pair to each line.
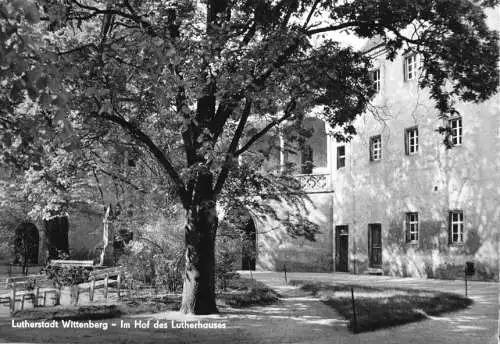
315, 182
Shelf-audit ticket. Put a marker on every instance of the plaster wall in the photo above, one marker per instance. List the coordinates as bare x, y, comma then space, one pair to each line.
84, 236
277, 249
431, 182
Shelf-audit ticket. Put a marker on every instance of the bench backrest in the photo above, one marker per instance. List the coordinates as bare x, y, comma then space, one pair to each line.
22, 281
84, 263
102, 273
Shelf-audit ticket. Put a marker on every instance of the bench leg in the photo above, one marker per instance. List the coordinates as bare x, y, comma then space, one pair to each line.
12, 305
106, 287
58, 297
13, 299
22, 301
37, 296
119, 285
77, 295
91, 290
44, 298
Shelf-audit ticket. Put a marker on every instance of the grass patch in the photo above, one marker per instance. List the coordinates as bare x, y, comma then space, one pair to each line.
99, 311
378, 307
245, 292
95, 312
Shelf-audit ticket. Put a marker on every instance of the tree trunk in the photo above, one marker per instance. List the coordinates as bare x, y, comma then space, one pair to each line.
56, 232
198, 295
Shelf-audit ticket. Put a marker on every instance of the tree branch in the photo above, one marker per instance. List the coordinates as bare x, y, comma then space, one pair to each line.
157, 153
311, 13
332, 28
233, 146
288, 112
152, 243
123, 179
132, 16
226, 107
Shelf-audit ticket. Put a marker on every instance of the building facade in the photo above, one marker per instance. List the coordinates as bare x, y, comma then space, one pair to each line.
396, 200
405, 204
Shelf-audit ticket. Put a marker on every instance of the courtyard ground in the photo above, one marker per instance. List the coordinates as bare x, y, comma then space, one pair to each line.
295, 319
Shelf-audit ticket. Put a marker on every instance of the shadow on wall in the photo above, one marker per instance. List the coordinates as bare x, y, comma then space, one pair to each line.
306, 260
277, 248
432, 256
431, 184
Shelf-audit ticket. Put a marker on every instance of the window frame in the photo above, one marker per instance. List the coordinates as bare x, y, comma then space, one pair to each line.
373, 140
408, 138
375, 76
341, 158
410, 60
460, 229
412, 227
459, 130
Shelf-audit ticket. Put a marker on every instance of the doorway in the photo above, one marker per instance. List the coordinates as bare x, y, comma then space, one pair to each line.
249, 245
26, 244
342, 248
375, 245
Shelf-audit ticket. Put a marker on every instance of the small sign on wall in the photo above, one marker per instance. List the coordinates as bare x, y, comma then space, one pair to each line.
469, 268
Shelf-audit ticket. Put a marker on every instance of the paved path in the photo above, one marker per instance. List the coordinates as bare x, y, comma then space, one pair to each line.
477, 324
296, 319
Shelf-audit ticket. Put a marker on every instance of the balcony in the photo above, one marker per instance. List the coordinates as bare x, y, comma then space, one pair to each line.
315, 183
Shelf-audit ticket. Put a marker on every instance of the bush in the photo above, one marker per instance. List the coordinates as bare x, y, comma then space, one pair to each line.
156, 254
169, 272
64, 276
226, 255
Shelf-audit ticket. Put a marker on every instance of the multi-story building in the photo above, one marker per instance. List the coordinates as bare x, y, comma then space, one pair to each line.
395, 199
404, 203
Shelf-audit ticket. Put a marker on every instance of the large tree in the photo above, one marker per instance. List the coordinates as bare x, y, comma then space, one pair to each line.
187, 80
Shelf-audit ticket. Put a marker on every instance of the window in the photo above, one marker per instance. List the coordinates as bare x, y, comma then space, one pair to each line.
340, 157
456, 227
375, 148
307, 159
455, 125
411, 141
375, 76
411, 227
410, 67
309, 149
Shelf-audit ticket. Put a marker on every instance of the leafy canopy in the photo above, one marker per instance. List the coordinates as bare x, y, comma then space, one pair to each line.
181, 85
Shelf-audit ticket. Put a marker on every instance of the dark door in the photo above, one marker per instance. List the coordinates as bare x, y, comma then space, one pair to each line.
342, 248
375, 244
249, 247
26, 244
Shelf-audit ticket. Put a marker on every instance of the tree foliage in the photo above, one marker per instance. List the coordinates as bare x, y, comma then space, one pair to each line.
178, 86
182, 77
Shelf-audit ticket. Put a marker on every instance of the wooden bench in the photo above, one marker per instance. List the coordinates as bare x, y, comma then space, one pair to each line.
71, 263
104, 277
31, 287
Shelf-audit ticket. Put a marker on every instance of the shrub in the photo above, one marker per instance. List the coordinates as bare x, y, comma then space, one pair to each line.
226, 255
169, 272
156, 253
63, 276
